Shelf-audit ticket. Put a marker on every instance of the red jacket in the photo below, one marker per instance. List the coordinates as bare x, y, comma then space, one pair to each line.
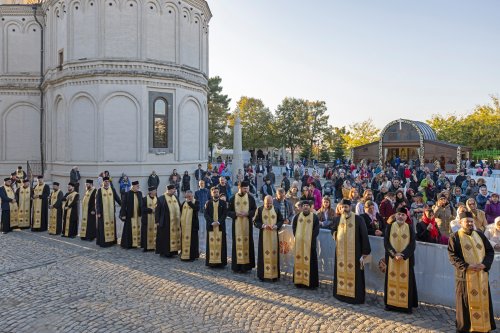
386, 209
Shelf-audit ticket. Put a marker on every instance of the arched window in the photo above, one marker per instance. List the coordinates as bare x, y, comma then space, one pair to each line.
160, 123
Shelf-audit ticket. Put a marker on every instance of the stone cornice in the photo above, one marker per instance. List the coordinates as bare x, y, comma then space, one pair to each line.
124, 70
16, 10
19, 82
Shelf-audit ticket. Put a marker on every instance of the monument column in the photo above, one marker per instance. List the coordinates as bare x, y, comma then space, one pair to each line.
237, 146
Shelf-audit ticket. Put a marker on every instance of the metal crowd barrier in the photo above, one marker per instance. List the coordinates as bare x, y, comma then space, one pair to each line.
434, 274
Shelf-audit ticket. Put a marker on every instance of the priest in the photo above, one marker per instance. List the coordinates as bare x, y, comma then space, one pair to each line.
215, 219
148, 227
168, 218
241, 209
9, 206
351, 249
70, 217
130, 214
105, 200
41, 194
23, 198
88, 224
472, 256
305, 227
400, 285
55, 210
268, 220
190, 248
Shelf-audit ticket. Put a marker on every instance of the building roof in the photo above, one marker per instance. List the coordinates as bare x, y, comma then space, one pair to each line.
427, 131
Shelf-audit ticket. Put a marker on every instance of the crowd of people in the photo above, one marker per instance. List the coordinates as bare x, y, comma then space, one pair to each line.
401, 203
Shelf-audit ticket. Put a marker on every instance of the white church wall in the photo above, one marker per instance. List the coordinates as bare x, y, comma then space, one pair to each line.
20, 45
82, 112
20, 130
83, 30
120, 28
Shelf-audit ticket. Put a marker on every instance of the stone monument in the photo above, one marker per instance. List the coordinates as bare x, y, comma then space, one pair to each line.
237, 146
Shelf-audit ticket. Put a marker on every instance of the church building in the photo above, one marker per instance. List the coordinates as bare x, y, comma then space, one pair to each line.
118, 85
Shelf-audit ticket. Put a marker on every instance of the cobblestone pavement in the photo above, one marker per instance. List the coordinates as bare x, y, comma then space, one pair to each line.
54, 284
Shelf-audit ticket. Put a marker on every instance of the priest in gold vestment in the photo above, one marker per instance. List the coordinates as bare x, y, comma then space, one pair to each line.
55, 210
269, 221
215, 218
351, 248
400, 286
241, 209
23, 198
190, 243
71, 205
148, 227
472, 255
41, 193
88, 226
168, 220
130, 214
305, 228
105, 200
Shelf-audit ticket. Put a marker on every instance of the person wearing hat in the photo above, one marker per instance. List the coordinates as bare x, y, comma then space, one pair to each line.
492, 208
9, 206
472, 256
190, 248
41, 194
241, 209
268, 220
400, 288
216, 243
23, 198
351, 249
21, 175
148, 226
130, 214
105, 200
305, 227
88, 229
168, 219
70, 214
444, 214
55, 210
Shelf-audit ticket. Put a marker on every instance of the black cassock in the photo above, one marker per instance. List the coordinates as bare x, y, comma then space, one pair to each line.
127, 211
194, 250
59, 207
258, 222
91, 230
408, 254
457, 259
5, 218
231, 212
209, 219
313, 266
101, 239
73, 217
362, 247
44, 209
162, 218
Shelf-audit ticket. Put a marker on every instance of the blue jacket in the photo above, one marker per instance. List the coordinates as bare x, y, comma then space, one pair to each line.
202, 196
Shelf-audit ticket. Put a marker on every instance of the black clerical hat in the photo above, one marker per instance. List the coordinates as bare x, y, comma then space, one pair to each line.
244, 184
402, 210
151, 188
89, 181
40, 177
6, 179
135, 183
55, 183
105, 178
26, 180
71, 184
170, 187
345, 202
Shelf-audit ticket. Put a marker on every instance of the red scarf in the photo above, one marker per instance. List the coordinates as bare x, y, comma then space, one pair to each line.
434, 231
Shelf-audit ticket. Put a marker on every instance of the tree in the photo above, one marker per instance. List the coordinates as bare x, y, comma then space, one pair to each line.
218, 112
361, 133
290, 117
316, 123
477, 130
256, 123
334, 138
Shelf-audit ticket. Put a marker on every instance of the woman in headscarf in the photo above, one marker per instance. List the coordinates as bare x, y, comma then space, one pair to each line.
479, 217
